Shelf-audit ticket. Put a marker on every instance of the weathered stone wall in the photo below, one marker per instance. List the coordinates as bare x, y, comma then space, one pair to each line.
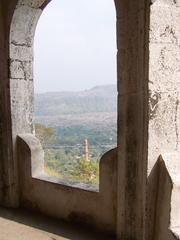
164, 97
164, 79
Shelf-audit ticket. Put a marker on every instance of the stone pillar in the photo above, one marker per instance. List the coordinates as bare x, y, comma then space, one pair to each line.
7, 181
132, 68
1, 110
19, 98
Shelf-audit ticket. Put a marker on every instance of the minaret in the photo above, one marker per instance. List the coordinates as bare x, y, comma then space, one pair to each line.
86, 150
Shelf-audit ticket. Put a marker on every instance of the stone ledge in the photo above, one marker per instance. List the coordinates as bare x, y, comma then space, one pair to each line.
67, 183
74, 202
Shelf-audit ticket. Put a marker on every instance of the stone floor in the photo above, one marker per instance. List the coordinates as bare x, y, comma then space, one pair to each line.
21, 224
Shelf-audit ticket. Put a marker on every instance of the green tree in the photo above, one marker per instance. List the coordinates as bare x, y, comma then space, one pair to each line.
44, 133
87, 172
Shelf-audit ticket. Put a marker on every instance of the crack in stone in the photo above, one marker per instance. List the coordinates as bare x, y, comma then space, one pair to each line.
21, 44
176, 124
20, 61
25, 5
153, 103
22, 79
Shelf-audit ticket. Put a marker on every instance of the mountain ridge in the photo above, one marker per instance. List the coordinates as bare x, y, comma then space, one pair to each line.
99, 99
97, 87
91, 113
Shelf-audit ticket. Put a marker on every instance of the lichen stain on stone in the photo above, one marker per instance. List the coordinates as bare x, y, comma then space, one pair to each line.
154, 98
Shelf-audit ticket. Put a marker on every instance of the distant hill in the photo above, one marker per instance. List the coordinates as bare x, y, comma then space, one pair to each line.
75, 115
96, 105
96, 99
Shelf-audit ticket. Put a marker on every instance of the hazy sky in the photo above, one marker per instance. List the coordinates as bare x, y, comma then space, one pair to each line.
75, 45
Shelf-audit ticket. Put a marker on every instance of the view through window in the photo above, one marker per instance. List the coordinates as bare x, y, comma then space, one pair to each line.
75, 87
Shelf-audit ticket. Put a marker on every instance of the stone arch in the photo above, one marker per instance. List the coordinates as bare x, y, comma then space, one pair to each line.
22, 30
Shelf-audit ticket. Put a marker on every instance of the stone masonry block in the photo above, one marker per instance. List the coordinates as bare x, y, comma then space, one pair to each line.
23, 26
21, 53
22, 104
21, 70
17, 70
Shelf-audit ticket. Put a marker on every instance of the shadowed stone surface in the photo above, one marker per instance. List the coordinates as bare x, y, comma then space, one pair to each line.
23, 225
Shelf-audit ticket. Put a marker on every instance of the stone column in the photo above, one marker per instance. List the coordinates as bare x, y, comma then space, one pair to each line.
20, 68
7, 180
1, 97
132, 64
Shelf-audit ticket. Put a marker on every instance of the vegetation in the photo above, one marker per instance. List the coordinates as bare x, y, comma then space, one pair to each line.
64, 152
90, 114
45, 134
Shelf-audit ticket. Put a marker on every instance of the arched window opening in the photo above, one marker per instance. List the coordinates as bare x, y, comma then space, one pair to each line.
75, 87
